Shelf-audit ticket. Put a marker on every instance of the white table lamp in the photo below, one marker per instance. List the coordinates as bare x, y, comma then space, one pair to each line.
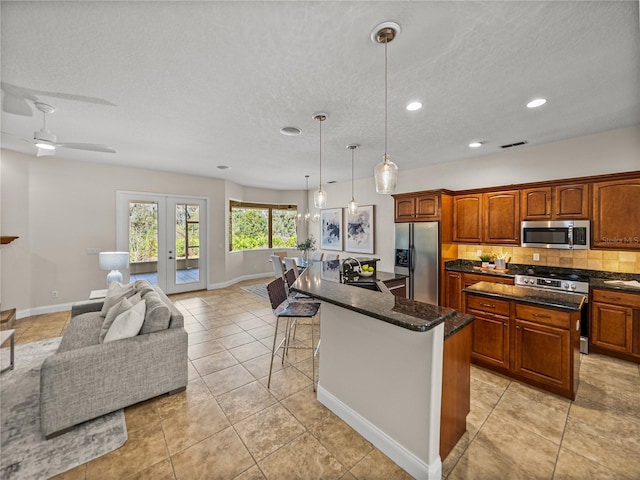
113, 261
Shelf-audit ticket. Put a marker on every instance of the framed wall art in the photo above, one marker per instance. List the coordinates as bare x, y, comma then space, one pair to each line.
359, 236
331, 229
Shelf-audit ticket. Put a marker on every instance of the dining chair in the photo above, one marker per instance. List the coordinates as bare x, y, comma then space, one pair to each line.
290, 264
278, 269
331, 256
292, 312
317, 256
281, 254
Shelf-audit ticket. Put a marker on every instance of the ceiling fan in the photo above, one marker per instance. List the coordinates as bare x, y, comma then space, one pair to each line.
47, 142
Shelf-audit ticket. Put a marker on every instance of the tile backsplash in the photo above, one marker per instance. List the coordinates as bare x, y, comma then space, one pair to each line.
607, 260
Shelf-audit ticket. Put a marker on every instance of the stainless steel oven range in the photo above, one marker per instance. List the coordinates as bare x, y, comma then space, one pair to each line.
568, 282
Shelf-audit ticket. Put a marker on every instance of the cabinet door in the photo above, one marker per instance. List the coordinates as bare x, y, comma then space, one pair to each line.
490, 339
611, 327
536, 203
427, 207
397, 287
467, 218
502, 218
571, 202
405, 209
543, 353
453, 290
616, 216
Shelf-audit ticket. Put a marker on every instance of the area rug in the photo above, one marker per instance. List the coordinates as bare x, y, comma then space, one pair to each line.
259, 290
25, 452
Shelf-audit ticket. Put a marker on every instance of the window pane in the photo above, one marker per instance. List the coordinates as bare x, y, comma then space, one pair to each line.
187, 243
284, 228
249, 228
143, 241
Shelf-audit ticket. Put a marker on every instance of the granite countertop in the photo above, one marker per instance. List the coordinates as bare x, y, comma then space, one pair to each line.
534, 296
322, 281
601, 283
377, 276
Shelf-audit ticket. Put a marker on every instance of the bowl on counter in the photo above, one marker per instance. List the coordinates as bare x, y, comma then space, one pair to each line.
366, 274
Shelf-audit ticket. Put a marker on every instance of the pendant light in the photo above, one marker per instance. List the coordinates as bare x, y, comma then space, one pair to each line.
307, 216
386, 172
352, 206
320, 196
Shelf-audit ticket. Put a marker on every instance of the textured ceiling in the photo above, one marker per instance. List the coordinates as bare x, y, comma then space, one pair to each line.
186, 86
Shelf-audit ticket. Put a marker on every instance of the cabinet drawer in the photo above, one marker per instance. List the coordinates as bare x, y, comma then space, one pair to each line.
487, 304
544, 316
616, 297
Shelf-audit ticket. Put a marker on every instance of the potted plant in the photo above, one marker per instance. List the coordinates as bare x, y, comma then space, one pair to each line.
308, 244
486, 258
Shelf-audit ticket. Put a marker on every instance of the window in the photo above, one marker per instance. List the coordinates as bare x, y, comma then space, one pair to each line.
256, 225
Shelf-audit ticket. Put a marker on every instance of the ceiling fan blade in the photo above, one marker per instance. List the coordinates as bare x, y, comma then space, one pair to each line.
93, 147
19, 138
29, 94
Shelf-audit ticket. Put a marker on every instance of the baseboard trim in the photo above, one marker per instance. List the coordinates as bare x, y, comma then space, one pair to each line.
416, 467
29, 312
233, 281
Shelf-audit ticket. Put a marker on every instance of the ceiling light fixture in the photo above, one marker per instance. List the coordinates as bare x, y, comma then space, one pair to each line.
352, 206
413, 106
290, 131
537, 102
320, 196
475, 144
307, 216
386, 172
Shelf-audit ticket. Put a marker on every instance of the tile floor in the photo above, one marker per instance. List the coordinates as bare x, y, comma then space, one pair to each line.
227, 425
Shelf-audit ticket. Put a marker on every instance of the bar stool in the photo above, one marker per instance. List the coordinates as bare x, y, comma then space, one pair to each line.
292, 311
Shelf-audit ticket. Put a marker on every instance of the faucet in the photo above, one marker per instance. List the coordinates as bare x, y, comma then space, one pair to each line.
350, 269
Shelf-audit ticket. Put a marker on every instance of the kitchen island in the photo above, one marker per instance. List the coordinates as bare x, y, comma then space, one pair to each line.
381, 366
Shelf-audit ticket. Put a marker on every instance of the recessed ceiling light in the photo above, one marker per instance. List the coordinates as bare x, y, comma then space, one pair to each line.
414, 106
537, 102
290, 131
223, 167
475, 144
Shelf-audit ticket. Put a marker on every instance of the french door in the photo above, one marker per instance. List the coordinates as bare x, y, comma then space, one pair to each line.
166, 239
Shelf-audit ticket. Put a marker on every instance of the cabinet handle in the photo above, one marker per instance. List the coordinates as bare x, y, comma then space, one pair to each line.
488, 305
540, 315
504, 324
517, 327
610, 298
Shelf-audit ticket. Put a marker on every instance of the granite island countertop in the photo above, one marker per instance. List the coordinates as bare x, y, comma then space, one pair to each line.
322, 281
533, 296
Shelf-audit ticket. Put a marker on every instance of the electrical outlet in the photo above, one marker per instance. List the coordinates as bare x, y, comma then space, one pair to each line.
536, 257
478, 252
93, 251
54, 294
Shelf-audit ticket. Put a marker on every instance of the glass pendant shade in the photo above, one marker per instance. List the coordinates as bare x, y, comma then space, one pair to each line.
352, 207
386, 176
320, 198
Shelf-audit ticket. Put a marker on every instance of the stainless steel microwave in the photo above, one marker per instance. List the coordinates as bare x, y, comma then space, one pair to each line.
564, 234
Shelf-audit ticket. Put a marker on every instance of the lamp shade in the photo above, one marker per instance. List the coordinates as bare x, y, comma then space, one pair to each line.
114, 260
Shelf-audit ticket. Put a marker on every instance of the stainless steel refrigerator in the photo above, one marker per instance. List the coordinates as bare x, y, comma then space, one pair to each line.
416, 255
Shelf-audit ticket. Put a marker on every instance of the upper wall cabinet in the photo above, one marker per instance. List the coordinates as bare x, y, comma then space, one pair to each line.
492, 218
616, 215
417, 207
555, 203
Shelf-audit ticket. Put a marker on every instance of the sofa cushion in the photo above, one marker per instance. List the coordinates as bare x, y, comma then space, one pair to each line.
127, 324
120, 307
115, 293
142, 287
83, 331
157, 316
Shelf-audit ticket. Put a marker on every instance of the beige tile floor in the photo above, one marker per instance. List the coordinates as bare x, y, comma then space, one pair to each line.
227, 425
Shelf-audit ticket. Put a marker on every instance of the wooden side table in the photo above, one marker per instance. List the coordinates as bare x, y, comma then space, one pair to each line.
7, 319
8, 335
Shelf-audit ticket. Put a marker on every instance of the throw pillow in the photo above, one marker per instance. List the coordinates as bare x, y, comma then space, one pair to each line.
127, 324
114, 295
120, 307
142, 286
157, 316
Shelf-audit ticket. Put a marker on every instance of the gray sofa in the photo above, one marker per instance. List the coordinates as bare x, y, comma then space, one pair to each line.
85, 378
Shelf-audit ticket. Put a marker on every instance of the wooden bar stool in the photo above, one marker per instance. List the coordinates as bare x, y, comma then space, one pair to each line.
292, 311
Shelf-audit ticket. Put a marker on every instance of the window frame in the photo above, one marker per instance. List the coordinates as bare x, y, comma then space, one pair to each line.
261, 206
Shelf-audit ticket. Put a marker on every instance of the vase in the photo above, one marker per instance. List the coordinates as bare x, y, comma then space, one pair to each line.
305, 255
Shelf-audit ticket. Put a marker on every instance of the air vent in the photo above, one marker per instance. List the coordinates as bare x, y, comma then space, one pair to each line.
517, 144
332, 181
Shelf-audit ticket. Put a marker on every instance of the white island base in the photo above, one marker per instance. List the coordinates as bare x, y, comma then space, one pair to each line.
385, 381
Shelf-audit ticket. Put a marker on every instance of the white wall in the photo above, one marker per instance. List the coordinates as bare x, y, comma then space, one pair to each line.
59, 208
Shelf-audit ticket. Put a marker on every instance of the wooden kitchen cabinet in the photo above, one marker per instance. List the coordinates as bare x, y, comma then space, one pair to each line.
561, 202
417, 207
455, 282
616, 215
492, 218
615, 324
533, 344
398, 287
